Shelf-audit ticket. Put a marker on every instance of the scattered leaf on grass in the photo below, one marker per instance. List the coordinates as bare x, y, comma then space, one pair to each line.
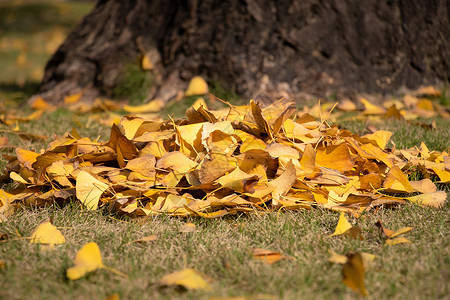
345, 228
267, 256
197, 86
392, 236
153, 106
342, 226
47, 233
88, 259
112, 297
149, 238
353, 273
337, 258
188, 227
342, 259
188, 278
249, 297
397, 240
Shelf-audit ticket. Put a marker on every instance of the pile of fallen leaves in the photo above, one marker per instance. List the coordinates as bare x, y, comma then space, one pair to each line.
212, 164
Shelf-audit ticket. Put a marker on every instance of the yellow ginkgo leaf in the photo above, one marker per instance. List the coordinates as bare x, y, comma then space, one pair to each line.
381, 137
214, 166
189, 278
308, 160
47, 233
353, 273
87, 259
337, 258
16, 177
176, 161
400, 231
436, 199
70, 99
26, 157
238, 180
424, 186
346, 105
197, 86
397, 181
444, 175
397, 240
342, 226
267, 256
146, 63
40, 103
188, 228
89, 189
335, 157
149, 238
371, 109
200, 102
283, 183
153, 106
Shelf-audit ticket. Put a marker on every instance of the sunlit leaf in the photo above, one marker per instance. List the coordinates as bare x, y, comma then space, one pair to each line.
153, 106
400, 231
40, 103
88, 259
197, 86
176, 161
89, 189
283, 183
337, 258
444, 175
424, 186
397, 181
146, 63
371, 109
436, 199
239, 181
381, 137
342, 226
334, 157
74, 98
47, 233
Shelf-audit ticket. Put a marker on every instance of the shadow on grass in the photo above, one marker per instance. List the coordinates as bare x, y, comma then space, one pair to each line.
18, 93
36, 16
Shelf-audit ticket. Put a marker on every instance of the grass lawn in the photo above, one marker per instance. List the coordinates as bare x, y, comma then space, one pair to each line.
219, 248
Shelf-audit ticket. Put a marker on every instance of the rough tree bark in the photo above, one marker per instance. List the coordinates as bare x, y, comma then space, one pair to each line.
286, 46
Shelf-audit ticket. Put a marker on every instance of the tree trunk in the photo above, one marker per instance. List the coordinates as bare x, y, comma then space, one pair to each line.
286, 46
